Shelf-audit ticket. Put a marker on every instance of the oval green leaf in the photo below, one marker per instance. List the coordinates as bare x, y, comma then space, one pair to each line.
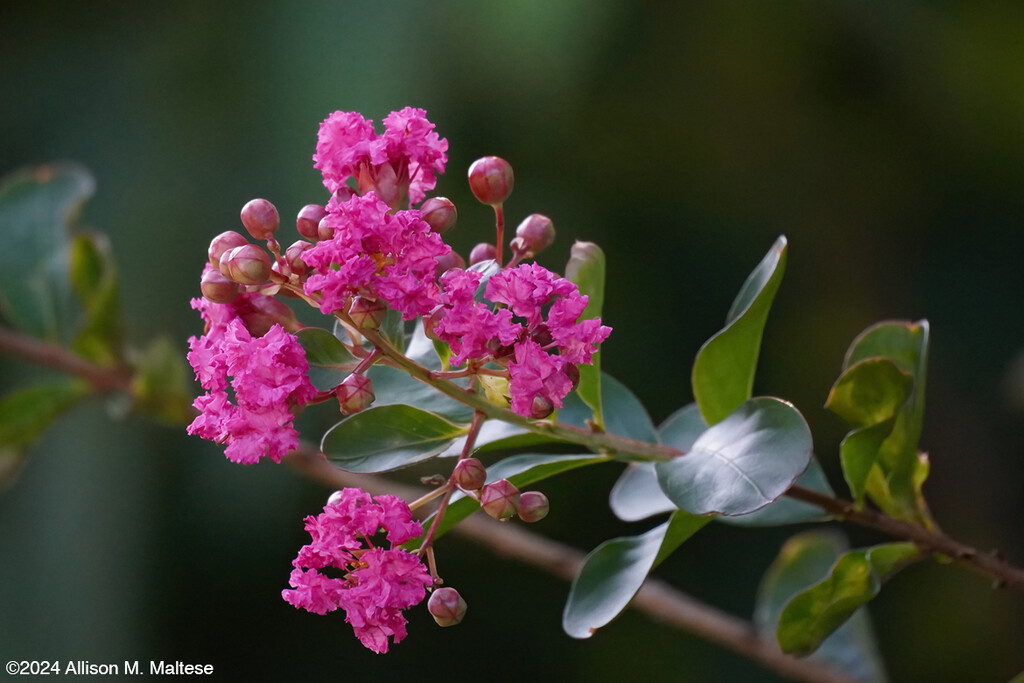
586, 268
614, 571
385, 438
329, 361
857, 577
742, 463
624, 414
723, 372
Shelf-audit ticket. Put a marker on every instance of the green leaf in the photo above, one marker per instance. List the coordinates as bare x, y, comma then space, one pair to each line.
389, 437
392, 386
788, 510
521, 470
857, 577
881, 459
806, 559
162, 383
636, 494
393, 327
624, 414
329, 361
614, 571
36, 207
586, 268
723, 372
93, 277
742, 463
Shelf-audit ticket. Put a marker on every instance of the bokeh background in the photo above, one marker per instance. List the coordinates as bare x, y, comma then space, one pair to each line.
885, 140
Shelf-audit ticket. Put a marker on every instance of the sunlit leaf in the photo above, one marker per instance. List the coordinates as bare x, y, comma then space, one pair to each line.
384, 438
787, 510
614, 571
586, 268
805, 560
742, 463
36, 208
857, 577
723, 372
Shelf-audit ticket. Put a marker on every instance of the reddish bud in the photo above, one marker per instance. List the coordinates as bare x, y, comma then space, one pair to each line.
247, 265
308, 220
355, 394
533, 506
439, 213
500, 499
224, 242
260, 218
219, 289
446, 606
323, 231
469, 474
573, 373
535, 233
491, 180
366, 313
448, 261
541, 408
482, 252
263, 312
293, 256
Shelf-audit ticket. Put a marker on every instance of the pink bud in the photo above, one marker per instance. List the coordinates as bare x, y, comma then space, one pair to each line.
469, 474
446, 262
535, 233
482, 252
355, 394
439, 213
225, 241
260, 218
446, 606
366, 313
491, 180
308, 220
293, 256
541, 408
219, 289
500, 499
533, 506
263, 312
247, 265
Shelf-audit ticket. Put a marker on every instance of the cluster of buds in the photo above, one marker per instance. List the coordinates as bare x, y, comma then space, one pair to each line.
500, 499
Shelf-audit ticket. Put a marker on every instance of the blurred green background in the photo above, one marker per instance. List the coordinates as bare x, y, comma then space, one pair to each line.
886, 140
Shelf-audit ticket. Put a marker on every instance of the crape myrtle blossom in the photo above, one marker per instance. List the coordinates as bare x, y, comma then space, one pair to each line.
398, 165
375, 253
266, 374
536, 322
375, 583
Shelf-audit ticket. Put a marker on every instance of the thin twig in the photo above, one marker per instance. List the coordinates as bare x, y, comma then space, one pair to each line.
103, 378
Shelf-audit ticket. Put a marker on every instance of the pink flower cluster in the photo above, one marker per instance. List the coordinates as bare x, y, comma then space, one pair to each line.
268, 376
377, 583
375, 253
399, 165
534, 328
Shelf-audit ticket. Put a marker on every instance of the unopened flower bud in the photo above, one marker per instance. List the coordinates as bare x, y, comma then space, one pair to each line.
446, 606
470, 474
260, 218
355, 394
223, 242
482, 252
323, 231
263, 312
533, 506
500, 499
217, 288
366, 313
573, 373
293, 256
541, 408
247, 265
439, 213
446, 262
308, 220
491, 180
534, 234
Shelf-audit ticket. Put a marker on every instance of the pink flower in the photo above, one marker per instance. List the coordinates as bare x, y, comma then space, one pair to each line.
267, 375
535, 373
378, 583
399, 165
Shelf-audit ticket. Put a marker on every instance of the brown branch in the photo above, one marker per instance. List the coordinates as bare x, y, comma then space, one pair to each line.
656, 599
936, 542
103, 378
